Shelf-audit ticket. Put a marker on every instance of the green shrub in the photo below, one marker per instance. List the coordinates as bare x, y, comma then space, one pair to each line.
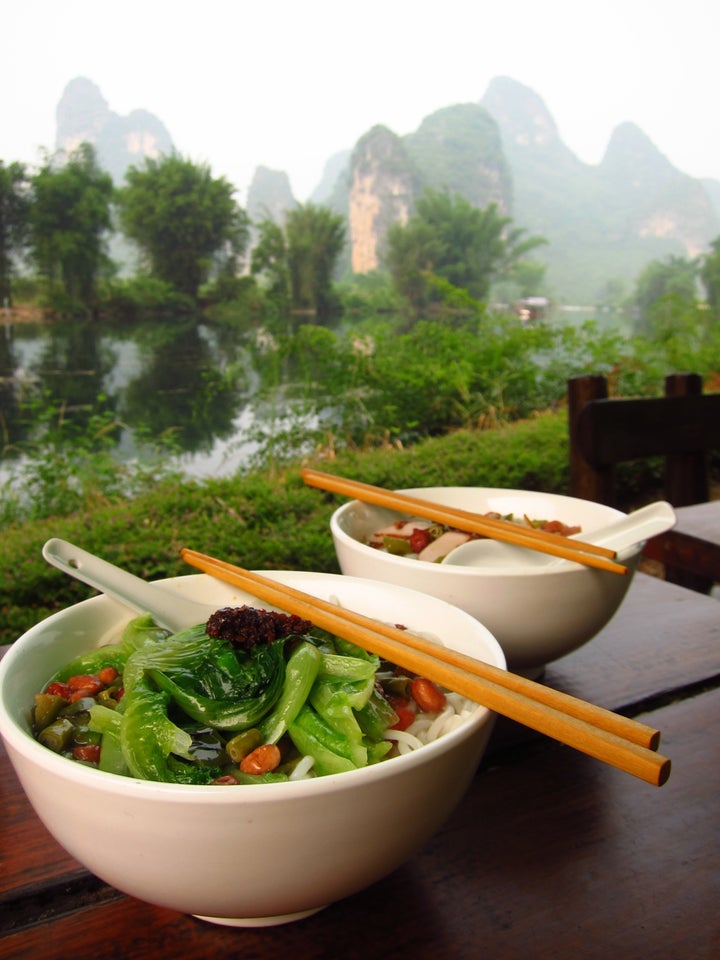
142, 296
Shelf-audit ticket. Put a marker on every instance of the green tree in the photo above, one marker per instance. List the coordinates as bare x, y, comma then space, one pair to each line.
450, 238
298, 263
529, 276
710, 276
315, 239
674, 275
70, 222
412, 252
14, 222
270, 261
185, 221
612, 294
664, 288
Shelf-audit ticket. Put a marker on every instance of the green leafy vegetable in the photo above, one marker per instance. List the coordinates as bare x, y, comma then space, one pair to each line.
193, 708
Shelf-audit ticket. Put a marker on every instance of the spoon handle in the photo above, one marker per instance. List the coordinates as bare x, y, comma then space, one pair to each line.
168, 609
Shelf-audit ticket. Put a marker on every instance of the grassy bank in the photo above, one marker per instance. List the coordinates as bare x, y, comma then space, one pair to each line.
263, 520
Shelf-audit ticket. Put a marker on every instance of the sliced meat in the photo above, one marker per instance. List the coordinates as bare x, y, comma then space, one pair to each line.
443, 545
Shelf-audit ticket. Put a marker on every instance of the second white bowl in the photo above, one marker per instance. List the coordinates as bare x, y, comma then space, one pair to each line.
537, 613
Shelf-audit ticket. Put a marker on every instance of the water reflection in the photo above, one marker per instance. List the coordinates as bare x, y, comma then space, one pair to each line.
165, 378
11, 386
188, 386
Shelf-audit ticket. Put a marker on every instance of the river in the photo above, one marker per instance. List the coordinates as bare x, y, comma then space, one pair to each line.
168, 378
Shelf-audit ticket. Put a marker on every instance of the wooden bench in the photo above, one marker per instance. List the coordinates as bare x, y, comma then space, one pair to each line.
682, 426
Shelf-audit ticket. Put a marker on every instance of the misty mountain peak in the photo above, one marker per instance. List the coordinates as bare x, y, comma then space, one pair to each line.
632, 152
380, 193
83, 115
270, 196
459, 148
520, 113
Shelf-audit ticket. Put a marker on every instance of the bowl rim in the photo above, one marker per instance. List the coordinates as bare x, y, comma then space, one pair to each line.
19, 741
562, 568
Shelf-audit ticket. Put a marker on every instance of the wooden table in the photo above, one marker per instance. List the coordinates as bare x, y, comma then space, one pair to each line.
701, 520
550, 853
693, 544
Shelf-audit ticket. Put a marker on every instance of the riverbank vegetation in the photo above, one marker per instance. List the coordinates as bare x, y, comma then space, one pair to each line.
358, 387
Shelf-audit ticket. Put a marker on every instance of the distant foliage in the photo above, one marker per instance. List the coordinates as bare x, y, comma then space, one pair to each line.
70, 224
296, 263
70, 467
185, 221
710, 277
141, 296
673, 279
14, 224
450, 239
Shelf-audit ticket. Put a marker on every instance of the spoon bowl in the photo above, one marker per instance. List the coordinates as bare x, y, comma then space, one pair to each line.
620, 535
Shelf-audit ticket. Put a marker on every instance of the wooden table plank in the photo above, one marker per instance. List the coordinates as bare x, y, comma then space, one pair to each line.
700, 520
662, 639
549, 854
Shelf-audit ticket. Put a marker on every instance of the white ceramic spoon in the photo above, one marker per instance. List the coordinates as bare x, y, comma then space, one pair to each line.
169, 608
619, 536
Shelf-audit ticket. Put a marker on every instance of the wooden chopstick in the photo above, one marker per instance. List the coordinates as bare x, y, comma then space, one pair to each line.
578, 551
616, 740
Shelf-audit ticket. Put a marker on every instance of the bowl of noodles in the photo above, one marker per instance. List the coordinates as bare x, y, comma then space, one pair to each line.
538, 612
149, 795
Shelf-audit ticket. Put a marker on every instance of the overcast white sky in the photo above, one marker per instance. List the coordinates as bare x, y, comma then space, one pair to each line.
288, 83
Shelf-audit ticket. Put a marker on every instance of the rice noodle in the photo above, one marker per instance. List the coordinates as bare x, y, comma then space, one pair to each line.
302, 768
438, 724
431, 726
404, 739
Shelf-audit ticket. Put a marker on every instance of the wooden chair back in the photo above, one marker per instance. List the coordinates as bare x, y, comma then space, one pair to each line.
682, 426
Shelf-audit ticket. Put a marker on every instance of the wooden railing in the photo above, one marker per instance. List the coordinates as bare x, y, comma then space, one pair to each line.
682, 426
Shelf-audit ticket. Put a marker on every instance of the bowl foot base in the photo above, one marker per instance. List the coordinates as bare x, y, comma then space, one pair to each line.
260, 921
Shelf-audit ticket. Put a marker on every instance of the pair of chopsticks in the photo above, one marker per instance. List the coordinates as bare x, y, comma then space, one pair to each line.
568, 548
619, 741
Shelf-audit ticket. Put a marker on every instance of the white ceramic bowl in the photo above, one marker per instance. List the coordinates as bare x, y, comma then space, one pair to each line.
254, 855
537, 613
